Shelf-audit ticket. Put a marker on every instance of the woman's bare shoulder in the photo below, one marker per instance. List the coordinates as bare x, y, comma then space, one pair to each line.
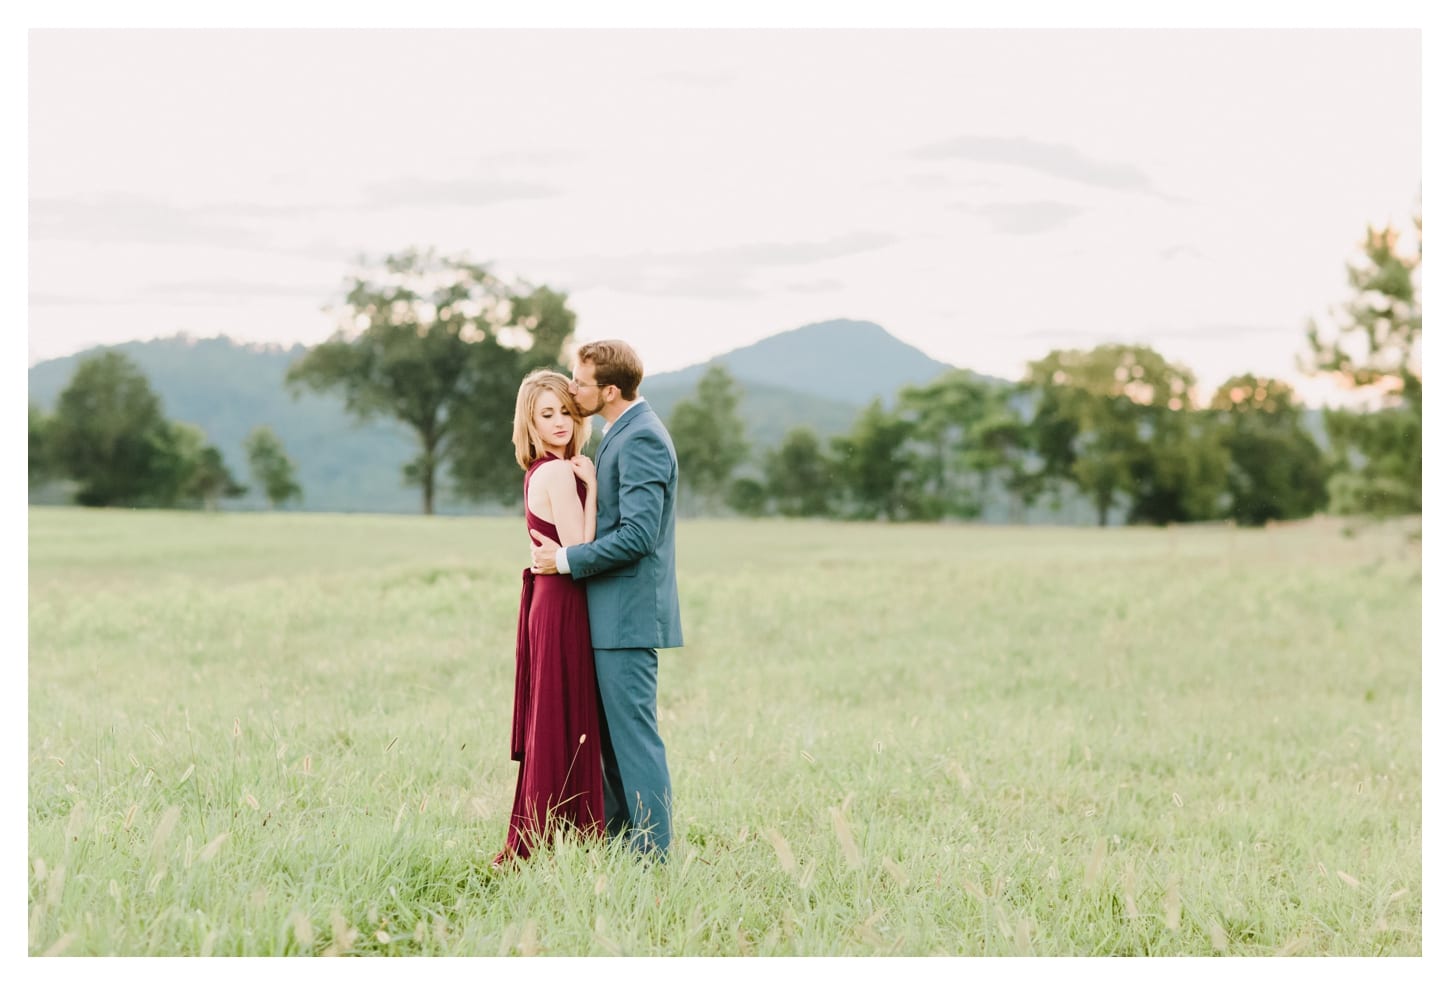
554, 472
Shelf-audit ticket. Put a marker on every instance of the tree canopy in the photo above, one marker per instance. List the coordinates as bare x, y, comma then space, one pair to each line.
440, 344
1373, 347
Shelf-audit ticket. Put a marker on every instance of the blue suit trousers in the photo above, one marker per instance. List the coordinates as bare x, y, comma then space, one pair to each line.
636, 776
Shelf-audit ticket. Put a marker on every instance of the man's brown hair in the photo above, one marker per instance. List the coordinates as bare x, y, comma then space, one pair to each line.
615, 364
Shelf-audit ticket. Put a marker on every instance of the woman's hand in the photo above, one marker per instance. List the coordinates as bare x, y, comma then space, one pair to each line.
584, 469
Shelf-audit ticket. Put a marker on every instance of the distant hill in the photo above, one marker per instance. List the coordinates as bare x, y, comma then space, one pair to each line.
767, 411
226, 388
819, 376
842, 361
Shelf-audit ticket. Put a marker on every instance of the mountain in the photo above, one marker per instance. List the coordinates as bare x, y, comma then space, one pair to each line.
842, 361
226, 388
767, 411
820, 375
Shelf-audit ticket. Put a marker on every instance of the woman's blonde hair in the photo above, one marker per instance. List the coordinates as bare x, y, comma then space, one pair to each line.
528, 446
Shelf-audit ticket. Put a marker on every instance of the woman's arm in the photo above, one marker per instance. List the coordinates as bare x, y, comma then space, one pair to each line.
584, 469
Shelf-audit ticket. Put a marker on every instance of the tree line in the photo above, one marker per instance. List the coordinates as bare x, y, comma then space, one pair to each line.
440, 344
437, 343
109, 436
1116, 424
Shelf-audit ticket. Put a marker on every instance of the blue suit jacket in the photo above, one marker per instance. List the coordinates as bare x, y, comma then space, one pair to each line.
628, 569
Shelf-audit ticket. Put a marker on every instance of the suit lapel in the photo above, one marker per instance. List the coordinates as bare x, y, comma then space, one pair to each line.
630, 416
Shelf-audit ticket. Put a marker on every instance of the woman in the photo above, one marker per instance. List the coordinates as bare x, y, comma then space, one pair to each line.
556, 711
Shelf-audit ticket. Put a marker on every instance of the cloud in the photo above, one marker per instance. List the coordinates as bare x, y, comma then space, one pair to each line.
1057, 160
46, 299
1180, 250
1223, 331
815, 286
124, 218
929, 181
789, 254
693, 283
258, 210
189, 294
239, 290
452, 193
1200, 333
1025, 218
697, 79
718, 272
534, 158
119, 218
53, 300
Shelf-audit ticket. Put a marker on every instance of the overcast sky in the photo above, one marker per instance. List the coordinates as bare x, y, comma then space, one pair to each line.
984, 195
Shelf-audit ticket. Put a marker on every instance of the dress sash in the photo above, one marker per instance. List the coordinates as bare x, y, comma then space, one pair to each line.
522, 672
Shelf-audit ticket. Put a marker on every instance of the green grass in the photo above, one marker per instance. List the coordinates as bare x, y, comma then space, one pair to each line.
287, 734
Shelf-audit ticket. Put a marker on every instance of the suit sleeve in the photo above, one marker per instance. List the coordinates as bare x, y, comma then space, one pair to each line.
645, 470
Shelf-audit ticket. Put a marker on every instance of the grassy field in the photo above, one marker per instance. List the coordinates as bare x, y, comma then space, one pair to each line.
287, 734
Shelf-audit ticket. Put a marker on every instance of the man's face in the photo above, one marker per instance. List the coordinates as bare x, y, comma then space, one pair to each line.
588, 394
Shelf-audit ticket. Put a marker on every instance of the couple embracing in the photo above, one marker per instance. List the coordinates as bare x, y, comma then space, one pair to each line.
598, 602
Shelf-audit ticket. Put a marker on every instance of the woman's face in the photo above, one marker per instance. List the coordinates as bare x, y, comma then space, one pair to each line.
554, 427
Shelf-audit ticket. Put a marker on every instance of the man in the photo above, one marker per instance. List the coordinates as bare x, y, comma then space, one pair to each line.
629, 575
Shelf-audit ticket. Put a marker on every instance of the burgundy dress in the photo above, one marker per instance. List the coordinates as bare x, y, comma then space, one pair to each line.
556, 707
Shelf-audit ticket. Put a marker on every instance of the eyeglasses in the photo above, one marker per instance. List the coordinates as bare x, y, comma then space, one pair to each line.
580, 384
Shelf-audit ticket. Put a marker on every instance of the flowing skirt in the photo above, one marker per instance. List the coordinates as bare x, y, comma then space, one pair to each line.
555, 735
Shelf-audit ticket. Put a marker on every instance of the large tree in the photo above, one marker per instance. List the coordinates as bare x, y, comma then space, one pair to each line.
1114, 421
1374, 349
109, 435
480, 451
709, 436
440, 344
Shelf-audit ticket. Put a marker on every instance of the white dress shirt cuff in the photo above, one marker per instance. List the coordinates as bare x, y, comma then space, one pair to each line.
561, 560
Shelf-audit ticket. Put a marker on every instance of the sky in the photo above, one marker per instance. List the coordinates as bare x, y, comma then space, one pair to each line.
985, 195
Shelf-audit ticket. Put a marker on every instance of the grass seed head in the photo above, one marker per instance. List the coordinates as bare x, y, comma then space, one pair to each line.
210, 849
60, 946
895, 871
783, 853
845, 838
1218, 937
164, 827
302, 929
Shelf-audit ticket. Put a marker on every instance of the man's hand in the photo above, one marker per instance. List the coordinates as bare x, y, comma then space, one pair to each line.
544, 551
